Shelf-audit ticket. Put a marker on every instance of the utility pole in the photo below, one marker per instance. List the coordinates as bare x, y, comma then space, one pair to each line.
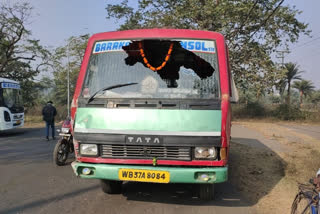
281, 55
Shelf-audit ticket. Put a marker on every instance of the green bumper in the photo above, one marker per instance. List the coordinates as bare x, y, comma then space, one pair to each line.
177, 174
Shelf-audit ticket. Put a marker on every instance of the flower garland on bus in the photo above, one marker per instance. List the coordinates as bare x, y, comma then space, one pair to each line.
145, 60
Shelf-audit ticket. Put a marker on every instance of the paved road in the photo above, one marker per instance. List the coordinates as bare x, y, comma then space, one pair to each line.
310, 130
31, 183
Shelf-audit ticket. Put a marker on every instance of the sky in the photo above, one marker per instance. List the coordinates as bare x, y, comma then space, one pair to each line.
306, 52
54, 21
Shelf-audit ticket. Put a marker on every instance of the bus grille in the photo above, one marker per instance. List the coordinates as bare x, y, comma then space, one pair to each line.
141, 151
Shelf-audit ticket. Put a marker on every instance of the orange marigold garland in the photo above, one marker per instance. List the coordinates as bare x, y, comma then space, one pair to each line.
145, 60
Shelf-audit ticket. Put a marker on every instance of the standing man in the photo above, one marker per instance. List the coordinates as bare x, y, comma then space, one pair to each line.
48, 113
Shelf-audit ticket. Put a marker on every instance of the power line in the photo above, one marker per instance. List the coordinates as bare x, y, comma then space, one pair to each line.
307, 39
314, 49
306, 43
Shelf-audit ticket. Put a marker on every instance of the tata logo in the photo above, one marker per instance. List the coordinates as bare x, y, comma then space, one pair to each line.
143, 140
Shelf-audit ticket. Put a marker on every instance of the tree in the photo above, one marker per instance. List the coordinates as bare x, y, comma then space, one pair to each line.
21, 58
315, 98
292, 73
253, 30
16, 48
61, 62
305, 88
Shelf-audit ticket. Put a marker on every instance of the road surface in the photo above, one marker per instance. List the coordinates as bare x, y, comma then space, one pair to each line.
31, 183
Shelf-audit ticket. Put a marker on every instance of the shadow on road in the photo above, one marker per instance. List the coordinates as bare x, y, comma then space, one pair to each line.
182, 194
13, 132
254, 170
42, 202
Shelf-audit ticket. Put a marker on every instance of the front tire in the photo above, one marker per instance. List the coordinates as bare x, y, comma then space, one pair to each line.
206, 192
61, 152
111, 187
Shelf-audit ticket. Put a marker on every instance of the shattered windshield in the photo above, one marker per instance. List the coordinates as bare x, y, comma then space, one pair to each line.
177, 68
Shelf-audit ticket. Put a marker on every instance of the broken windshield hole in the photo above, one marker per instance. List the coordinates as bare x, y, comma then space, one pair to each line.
165, 58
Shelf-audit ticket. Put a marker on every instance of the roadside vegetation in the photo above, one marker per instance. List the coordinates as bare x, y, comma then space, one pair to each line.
41, 71
304, 105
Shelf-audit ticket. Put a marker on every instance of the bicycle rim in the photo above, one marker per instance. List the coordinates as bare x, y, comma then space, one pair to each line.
302, 205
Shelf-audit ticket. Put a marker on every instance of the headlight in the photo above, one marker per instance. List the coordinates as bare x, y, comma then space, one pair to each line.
205, 152
88, 149
65, 130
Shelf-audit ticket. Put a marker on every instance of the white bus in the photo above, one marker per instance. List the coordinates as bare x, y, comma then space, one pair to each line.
11, 105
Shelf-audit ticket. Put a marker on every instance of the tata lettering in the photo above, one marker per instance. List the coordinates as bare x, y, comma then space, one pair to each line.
143, 140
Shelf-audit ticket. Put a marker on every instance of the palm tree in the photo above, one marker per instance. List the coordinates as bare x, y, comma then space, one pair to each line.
292, 73
305, 88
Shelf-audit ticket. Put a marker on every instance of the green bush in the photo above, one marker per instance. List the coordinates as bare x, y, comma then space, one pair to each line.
286, 112
256, 109
250, 110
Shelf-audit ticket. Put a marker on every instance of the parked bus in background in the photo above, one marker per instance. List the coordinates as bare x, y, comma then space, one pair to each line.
11, 105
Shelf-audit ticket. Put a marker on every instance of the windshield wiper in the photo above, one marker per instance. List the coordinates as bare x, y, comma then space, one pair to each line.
109, 88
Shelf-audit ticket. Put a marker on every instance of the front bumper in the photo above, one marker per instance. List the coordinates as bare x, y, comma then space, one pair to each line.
177, 174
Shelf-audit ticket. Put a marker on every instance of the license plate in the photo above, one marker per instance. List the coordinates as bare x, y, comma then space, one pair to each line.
144, 175
18, 122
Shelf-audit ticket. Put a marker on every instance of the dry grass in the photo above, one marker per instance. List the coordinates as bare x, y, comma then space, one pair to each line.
36, 122
279, 172
33, 121
275, 120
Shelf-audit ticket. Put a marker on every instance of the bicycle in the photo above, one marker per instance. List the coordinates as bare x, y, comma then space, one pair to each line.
307, 201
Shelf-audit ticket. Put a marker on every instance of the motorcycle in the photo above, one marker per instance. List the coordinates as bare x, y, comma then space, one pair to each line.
64, 146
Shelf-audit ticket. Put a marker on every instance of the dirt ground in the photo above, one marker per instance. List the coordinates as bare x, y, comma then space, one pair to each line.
268, 166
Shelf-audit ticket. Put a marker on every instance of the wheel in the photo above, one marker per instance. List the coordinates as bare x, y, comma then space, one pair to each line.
71, 146
61, 152
206, 192
301, 205
111, 187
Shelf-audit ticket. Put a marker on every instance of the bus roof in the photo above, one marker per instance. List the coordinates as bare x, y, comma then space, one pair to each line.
7, 80
157, 33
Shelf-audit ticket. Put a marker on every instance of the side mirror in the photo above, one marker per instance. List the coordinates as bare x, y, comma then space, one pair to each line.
235, 96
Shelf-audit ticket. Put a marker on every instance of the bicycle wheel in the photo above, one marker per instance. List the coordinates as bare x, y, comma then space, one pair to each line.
301, 204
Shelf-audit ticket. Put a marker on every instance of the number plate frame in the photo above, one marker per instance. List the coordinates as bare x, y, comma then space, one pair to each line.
144, 175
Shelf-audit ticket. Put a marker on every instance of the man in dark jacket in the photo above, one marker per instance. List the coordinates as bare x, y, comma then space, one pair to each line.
48, 113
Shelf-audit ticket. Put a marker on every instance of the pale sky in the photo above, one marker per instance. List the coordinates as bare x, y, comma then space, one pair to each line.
307, 51
56, 20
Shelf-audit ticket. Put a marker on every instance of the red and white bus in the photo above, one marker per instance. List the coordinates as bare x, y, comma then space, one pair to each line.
153, 105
